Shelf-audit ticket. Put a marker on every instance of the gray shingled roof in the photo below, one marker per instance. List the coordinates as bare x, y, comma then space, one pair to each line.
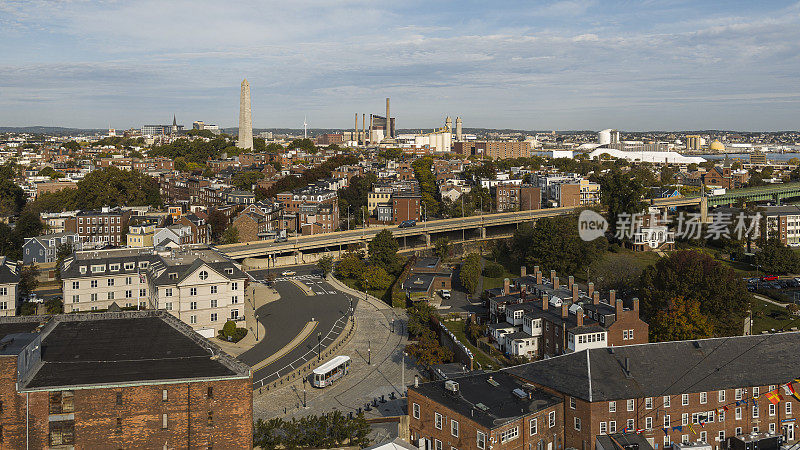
669, 368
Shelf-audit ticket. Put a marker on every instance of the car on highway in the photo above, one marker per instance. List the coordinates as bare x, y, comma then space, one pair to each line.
288, 273
407, 223
281, 239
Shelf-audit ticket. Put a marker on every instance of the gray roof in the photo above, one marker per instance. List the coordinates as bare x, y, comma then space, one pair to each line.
694, 366
8, 272
502, 405
184, 270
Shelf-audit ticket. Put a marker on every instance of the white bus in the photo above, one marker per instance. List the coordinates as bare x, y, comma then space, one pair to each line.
331, 371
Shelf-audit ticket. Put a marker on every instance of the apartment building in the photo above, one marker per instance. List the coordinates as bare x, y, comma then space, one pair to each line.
152, 383
783, 224
494, 149
514, 197
193, 283
56, 221
395, 202
308, 206
141, 234
97, 229
484, 411
44, 249
9, 287
536, 317
568, 190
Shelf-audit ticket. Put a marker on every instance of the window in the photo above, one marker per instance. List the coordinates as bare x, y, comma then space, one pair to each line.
631, 404
572, 402
738, 394
193, 319
437, 420
771, 409
129, 294
703, 398
631, 424
648, 403
213, 289
603, 428
738, 414
111, 296
415, 410
480, 439
666, 401
76, 285
704, 436
210, 418
192, 305
685, 438
721, 396
192, 291
612, 426
755, 392
755, 411
93, 297
213, 317
76, 298
93, 283
234, 314
168, 292
534, 426
772, 428
214, 303
721, 436
119, 398
110, 281
454, 427
119, 425
722, 416
755, 429
142, 292
578, 424
685, 419
163, 421
163, 395
666, 440
789, 408
695, 417
684, 399
710, 416
234, 300
168, 306
648, 423
234, 286
210, 392
437, 444
509, 435
612, 406
666, 421
772, 387
551, 419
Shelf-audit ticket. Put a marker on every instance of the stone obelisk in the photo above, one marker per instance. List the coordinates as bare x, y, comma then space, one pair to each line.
245, 119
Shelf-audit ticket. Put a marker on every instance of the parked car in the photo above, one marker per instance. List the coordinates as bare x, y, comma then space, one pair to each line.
281, 239
288, 273
445, 293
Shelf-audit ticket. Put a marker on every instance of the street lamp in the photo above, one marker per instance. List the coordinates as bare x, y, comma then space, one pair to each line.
305, 380
256, 327
403, 376
319, 346
369, 354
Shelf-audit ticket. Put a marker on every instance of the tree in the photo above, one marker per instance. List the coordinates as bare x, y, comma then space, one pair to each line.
325, 264
72, 146
776, 258
304, 144
245, 180
12, 198
621, 194
681, 320
62, 252
28, 279
383, 250
391, 153
695, 276
419, 318
218, 222
350, 266
441, 247
230, 236
376, 278
470, 272
428, 351
553, 243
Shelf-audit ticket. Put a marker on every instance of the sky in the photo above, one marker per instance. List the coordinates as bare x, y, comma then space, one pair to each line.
535, 65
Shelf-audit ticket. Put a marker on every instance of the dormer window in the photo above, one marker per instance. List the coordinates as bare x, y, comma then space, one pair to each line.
114, 267
83, 269
144, 264
129, 266
229, 271
173, 276
98, 268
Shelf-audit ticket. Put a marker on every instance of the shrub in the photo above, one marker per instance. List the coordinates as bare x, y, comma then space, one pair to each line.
492, 270
229, 328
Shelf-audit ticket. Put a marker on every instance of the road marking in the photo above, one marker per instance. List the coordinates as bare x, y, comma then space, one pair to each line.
304, 333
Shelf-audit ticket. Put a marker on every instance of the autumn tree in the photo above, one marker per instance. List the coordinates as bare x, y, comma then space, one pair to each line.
681, 320
429, 351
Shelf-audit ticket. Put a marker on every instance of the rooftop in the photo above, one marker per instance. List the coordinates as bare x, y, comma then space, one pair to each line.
489, 399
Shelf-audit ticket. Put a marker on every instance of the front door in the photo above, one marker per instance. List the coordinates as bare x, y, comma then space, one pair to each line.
789, 434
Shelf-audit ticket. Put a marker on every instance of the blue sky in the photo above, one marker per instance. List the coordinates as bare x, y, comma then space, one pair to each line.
570, 64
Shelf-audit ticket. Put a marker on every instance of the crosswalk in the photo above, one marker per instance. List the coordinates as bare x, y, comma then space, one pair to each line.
314, 282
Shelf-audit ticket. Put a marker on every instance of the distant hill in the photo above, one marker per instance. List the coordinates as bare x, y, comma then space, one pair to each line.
51, 131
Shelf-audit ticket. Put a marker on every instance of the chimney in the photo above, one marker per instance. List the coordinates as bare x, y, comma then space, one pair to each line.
506, 286
627, 366
619, 309
416, 381
574, 292
552, 276
570, 282
388, 132
612, 297
536, 269
545, 301
538, 275
579, 317
590, 289
596, 298
564, 311
371, 126
364, 128
636, 304
555, 282
523, 271
355, 130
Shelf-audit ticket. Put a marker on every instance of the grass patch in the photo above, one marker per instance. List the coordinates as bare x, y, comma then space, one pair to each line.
457, 328
385, 294
767, 316
489, 283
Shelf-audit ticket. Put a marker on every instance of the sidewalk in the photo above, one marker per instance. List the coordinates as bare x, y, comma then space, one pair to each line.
257, 295
769, 300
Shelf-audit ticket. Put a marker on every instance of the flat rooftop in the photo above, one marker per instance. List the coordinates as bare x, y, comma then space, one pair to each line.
124, 348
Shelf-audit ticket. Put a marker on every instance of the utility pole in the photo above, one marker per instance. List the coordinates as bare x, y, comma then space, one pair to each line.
369, 354
319, 346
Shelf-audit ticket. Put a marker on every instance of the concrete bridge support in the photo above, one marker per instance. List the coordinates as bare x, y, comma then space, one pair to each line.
704, 210
483, 232
427, 240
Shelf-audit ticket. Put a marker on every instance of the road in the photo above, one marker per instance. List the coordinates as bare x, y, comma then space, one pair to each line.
326, 310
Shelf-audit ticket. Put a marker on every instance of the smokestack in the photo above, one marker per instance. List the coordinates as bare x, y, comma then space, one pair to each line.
388, 133
458, 128
364, 128
371, 127
355, 130
523, 272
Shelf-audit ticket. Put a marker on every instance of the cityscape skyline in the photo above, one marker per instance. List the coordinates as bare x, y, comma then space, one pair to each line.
575, 64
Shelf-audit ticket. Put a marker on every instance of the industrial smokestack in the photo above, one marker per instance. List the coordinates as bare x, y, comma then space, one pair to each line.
458, 128
355, 130
388, 120
371, 127
364, 128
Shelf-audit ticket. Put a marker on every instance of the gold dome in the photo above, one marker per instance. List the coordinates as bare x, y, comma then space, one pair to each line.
717, 146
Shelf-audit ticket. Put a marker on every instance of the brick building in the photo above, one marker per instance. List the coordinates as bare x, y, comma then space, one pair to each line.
309, 206
97, 229
494, 149
485, 411
510, 197
331, 138
119, 380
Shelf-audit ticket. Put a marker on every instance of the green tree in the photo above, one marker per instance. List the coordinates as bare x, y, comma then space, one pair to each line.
776, 258
230, 236
441, 247
428, 351
71, 146
325, 264
621, 194
696, 277
304, 144
12, 198
419, 318
28, 279
470, 272
553, 243
62, 252
383, 250
350, 266
376, 278
245, 180
391, 153
681, 320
